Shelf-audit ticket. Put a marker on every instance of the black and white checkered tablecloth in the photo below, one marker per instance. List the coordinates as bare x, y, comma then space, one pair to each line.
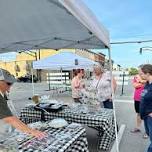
102, 120
74, 140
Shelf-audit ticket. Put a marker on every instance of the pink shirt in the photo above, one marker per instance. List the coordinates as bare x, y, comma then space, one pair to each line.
76, 86
138, 91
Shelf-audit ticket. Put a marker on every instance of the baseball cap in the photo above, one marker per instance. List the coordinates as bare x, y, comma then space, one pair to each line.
6, 76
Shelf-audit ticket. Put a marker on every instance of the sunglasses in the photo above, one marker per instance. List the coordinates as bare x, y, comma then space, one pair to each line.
9, 84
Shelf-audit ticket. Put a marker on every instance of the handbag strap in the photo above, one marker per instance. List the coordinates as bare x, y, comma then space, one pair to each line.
98, 83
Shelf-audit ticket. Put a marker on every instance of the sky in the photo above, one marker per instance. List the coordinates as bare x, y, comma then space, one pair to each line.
125, 20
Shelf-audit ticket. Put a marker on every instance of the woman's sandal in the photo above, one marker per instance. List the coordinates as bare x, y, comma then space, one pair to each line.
135, 130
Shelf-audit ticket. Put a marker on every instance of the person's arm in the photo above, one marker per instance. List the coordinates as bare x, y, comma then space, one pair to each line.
136, 83
19, 125
114, 84
142, 109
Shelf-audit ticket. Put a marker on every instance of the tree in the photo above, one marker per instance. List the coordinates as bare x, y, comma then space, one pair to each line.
133, 71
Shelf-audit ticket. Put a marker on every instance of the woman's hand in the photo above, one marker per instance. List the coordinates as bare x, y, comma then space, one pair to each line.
150, 115
142, 81
110, 98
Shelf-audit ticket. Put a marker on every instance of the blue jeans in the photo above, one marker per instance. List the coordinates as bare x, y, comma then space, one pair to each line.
148, 128
108, 104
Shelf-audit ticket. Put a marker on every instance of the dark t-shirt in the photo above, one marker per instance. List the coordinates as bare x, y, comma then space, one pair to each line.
4, 109
146, 101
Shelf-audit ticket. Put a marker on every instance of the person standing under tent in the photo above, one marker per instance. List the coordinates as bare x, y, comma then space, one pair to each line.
77, 84
102, 84
146, 101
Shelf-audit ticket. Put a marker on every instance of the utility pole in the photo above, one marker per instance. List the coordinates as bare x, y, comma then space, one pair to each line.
123, 80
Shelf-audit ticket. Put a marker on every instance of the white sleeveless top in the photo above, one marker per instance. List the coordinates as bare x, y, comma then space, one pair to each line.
102, 87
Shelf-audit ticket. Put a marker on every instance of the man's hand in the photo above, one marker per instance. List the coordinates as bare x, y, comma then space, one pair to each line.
16, 123
37, 133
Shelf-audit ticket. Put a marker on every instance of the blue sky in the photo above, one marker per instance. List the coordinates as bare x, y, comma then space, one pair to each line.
126, 20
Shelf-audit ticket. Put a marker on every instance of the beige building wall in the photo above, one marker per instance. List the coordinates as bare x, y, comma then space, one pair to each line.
91, 55
11, 67
23, 59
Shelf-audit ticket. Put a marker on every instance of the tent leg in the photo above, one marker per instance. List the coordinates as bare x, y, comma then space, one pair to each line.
33, 89
114, 109
49, 84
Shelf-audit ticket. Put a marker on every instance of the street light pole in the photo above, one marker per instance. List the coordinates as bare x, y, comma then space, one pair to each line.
39, 71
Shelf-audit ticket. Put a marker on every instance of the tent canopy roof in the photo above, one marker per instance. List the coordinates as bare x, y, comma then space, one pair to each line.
55, 24
63, 60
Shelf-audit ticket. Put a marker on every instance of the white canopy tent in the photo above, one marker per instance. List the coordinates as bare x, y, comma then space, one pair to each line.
53, 24
64, 61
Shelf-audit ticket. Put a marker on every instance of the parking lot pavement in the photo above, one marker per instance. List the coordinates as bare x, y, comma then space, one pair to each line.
130, 142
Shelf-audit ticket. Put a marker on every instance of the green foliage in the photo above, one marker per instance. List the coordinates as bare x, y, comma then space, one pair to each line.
133, 71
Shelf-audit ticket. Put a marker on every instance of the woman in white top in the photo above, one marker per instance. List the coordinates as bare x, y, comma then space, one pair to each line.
77, 84
102, 84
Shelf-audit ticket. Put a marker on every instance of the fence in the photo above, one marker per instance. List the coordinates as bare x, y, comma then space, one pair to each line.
59, 81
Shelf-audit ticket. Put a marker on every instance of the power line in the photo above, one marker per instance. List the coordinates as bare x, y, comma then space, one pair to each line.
126, 42
130, 35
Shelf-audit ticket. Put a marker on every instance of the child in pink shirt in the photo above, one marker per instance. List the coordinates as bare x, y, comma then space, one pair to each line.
138, 84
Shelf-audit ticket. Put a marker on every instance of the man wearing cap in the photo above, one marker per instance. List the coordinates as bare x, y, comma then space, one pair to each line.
6, 116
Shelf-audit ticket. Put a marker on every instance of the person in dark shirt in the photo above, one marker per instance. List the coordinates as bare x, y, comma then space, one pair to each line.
6, 116
146, 101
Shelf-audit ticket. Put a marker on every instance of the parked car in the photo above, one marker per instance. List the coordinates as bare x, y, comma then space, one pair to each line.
27, 78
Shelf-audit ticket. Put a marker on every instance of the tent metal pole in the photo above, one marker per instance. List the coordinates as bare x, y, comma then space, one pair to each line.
33, 89
61, 80
48, 76
114, 109
61, 75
